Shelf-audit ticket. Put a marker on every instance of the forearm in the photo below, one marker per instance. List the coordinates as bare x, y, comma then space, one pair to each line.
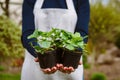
26, 42
28, 25
83, 12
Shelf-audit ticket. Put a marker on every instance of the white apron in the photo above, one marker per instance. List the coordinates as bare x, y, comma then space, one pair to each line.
45, 19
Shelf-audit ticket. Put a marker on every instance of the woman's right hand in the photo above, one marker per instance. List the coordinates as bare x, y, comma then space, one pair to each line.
48, 70
36, 59
65, 69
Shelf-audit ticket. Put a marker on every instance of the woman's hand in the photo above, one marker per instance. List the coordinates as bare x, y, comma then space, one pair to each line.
36, 59
48, 70
66, 69
58, 67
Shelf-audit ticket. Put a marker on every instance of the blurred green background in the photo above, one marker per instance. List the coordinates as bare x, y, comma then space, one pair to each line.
103, 58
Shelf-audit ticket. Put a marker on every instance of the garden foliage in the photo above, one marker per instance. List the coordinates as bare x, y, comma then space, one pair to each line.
10, 43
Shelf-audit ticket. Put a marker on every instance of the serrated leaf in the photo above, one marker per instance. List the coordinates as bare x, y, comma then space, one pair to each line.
45, 44
34, 35
37, 47
77, 34
69, 47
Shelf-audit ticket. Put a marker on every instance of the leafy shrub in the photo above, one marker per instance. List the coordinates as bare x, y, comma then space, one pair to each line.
86, 65
103, 27
104, 21
10, 44
98, 76
2, 68
117, 40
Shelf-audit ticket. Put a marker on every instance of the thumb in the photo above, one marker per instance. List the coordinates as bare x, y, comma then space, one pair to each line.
36, 59
80, 63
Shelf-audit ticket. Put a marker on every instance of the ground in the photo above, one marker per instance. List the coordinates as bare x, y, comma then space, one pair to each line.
112, 71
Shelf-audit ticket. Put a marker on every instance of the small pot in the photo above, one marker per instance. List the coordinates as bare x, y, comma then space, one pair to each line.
59, 55
71, 59
47, 60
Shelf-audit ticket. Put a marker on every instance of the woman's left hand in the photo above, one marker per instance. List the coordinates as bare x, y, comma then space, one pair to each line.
58, 67
66, 69
48, 70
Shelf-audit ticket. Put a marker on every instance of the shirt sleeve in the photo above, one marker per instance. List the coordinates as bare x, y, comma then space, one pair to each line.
28, 25
83, 13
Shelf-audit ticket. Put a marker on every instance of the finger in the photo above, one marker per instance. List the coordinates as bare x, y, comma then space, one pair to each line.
66, 70
54, 69
62, 70
36, 60
50, 71
80, 63
46, 71
71, 69
59, 65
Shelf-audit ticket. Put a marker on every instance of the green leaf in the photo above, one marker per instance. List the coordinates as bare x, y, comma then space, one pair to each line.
37, 47
34, 35
57, 38
85, 37
45, 44
77, 34
70, 47
69, 41
81, 45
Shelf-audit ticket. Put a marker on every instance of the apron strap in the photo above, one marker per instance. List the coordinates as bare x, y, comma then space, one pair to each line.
38, 4
69, 4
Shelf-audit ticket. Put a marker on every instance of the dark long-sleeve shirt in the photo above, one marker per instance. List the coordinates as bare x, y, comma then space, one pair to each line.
28, 26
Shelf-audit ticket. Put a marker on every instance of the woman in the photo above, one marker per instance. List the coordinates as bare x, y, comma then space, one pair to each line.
70, 15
